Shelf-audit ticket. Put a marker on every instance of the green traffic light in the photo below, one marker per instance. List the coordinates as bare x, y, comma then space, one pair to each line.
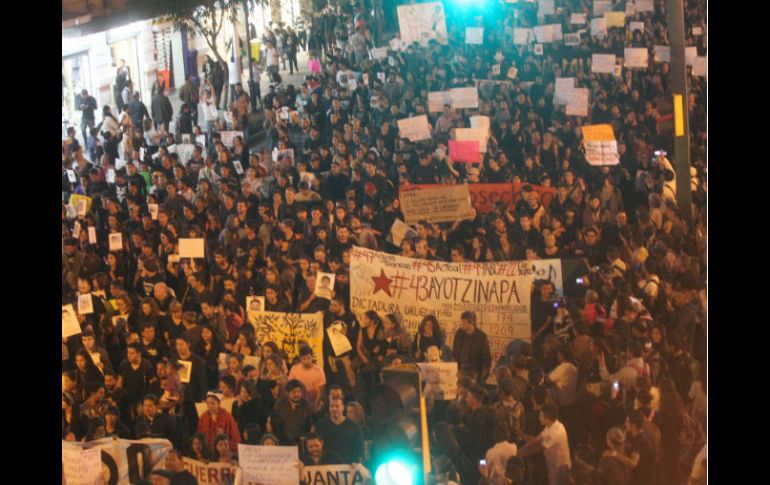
393, 472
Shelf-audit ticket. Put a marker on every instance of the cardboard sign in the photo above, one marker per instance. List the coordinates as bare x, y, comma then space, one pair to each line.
269, 465
699, 66
339, 340
463, 98
467, 151
440, 204
118, 461
91, 235
153, 210
69, 321
437, 100
484, 196
192, 248
324, 285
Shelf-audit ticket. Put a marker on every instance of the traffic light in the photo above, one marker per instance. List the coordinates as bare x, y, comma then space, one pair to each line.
400, 442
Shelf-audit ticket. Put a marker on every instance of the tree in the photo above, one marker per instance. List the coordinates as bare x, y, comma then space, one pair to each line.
201, 17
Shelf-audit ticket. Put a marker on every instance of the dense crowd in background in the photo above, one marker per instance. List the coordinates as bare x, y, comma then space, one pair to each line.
611, 389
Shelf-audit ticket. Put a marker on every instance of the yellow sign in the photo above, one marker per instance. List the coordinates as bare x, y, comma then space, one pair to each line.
598, 132
615, 19
74, 198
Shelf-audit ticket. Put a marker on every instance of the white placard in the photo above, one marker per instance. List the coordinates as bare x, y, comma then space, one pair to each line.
338, 338
229, 136
572, 39
699, 66
644, 6
463, 98
222, 362
545, 7
577, 104
474, 35
400, 231
186, 371
82, 206
548, 33
91, 235
200, 140
599, 27
636, 26
85, 304
186, 138
71, 176
153, 209
110, 176
562, 89
496, 70
599, 153
523, 36
577, 19
512, 72
690, 53
82, 467
463, 134
636, 57
422, 22
697, 31
630, 8
269, 465
378, 53
415, 128
662, 53
192, 248
601, 6
482, 122
254, 305
116, 241
76, 230
324, 285
440, 380
69, 321
438, 99
287, 151
603, 63
238, 167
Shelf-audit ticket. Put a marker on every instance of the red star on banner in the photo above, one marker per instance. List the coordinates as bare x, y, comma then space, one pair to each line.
382, 282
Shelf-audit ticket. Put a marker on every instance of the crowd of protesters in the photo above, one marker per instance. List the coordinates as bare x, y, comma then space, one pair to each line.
611, 388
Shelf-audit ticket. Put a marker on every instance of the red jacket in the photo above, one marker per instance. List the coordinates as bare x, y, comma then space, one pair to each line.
224, 423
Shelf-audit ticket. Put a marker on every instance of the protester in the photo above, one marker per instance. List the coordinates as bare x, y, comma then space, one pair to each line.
623, 333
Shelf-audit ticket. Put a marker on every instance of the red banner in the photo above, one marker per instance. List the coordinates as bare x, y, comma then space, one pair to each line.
467, 151
484, 196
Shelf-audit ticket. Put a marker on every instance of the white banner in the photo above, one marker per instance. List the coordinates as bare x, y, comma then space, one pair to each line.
211, 473
422, 22
662, 53
562, 88
122, 462
499, 293
523, 36
438, 99
355, 474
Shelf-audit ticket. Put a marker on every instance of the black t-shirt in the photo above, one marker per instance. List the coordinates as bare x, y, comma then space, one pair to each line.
136, 382
345, 438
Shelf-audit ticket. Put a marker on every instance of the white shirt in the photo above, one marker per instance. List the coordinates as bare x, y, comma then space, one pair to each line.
564, 377
556, 453
497, 460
